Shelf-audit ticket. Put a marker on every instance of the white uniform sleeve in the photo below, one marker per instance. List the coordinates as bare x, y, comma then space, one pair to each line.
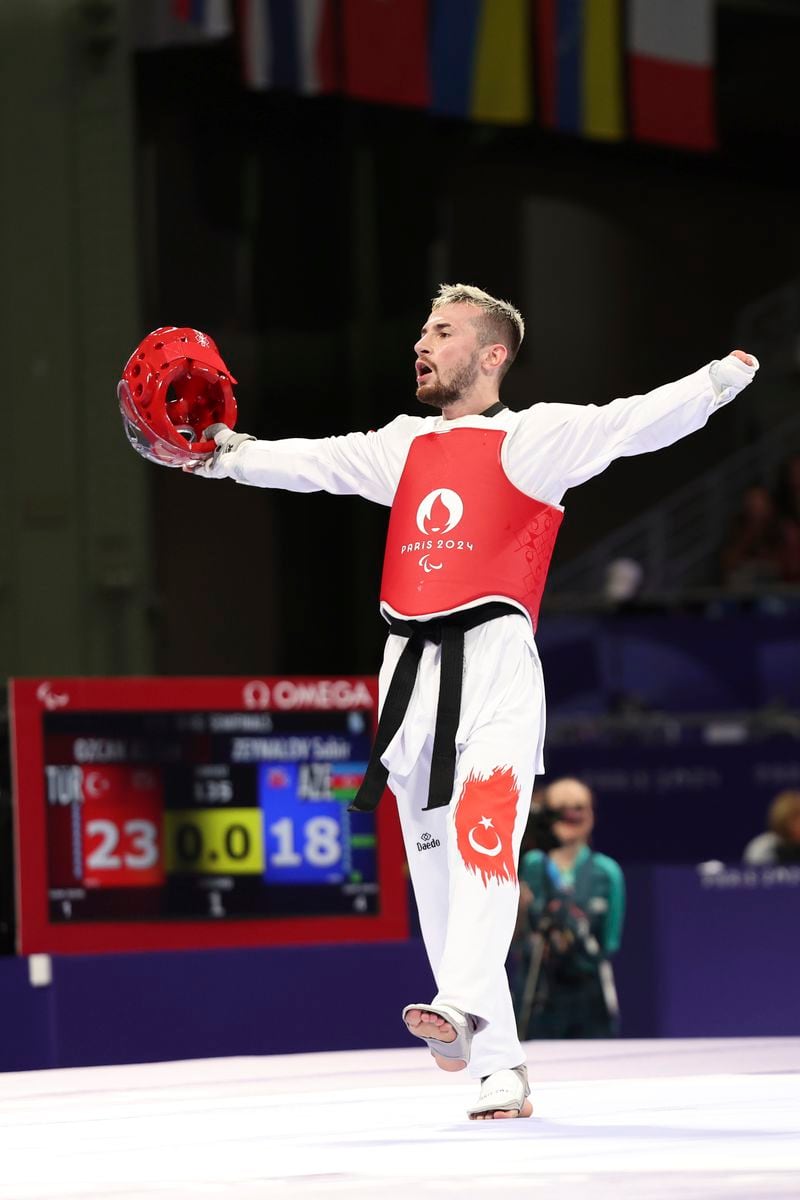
558, 446
360, 464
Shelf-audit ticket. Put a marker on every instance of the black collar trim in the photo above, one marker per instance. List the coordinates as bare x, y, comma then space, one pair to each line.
494, 410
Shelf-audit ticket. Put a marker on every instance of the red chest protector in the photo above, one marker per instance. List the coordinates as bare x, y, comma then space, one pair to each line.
461, 533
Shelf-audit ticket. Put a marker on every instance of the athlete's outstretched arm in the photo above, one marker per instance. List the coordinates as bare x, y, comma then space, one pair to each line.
559, 446
361, 464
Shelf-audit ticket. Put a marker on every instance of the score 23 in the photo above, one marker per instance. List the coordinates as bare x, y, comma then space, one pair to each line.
122, 827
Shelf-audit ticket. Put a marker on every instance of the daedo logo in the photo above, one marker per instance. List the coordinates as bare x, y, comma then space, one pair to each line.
437, 515
428, 843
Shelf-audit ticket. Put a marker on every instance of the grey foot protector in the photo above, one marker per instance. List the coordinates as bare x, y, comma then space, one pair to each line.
463, 1024
502, 1091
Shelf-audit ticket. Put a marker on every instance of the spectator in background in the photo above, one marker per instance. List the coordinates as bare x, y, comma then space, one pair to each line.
781, 844
787, 493
763, 546
623, 580
572, 904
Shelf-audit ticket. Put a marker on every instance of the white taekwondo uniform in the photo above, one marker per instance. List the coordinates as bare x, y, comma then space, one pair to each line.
463, 857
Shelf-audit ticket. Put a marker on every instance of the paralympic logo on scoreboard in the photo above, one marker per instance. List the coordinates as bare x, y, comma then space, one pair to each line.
50, 699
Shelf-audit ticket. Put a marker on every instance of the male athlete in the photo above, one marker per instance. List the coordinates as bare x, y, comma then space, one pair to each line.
475, 492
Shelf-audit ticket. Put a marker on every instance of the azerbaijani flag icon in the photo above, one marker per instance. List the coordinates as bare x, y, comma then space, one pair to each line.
346, 779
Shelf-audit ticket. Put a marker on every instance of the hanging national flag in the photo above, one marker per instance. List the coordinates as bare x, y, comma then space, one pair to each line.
671, 64
503, 70
385, 48
155, 24
480, 56
579, 61
212, 17
290, 44
453, 40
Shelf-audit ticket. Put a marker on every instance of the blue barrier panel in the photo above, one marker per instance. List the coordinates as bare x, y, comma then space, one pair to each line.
709, 952
27, 1020
727, 951
675, 662
636, 964
679, 803
116, 1008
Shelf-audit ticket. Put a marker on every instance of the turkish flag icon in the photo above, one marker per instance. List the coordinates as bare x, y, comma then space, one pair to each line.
484, 818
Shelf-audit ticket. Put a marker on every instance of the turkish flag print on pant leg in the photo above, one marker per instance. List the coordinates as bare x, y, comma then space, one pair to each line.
484, 820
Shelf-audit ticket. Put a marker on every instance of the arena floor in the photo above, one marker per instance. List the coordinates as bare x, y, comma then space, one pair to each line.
634, 1120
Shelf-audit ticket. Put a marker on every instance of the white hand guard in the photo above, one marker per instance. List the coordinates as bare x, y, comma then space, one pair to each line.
220, 464
729, 376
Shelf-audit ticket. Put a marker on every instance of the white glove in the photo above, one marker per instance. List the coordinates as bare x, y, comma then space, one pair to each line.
729, 376
222, 462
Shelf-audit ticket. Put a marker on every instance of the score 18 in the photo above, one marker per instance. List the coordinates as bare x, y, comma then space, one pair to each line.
306, 838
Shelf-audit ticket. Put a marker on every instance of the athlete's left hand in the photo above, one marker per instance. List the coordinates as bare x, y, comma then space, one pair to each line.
746, 358
219, 464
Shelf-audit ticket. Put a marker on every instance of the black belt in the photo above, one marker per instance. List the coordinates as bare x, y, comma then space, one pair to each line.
449, 632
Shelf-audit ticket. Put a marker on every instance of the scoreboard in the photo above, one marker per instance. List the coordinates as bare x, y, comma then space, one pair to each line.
194, 812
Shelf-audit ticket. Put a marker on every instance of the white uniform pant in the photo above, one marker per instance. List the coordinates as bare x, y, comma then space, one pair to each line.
463, 858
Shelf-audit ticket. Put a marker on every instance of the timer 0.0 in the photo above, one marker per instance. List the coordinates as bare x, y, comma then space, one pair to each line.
227, 841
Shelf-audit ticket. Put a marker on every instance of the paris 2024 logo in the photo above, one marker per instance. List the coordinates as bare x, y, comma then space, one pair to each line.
438, 514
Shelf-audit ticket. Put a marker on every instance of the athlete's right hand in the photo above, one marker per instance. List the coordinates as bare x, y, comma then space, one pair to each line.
729, 375
219, 465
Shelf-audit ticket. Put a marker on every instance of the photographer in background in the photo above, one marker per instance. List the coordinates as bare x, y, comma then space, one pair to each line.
572, 904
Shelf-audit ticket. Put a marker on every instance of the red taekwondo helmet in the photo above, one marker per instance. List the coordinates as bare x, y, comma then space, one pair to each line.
173, 387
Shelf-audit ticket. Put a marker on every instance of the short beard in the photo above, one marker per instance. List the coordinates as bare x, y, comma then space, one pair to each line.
442, 396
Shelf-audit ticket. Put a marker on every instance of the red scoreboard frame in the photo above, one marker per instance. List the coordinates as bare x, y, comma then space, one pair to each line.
32, 699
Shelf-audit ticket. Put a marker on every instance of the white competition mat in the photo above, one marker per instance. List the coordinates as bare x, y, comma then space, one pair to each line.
637, 1120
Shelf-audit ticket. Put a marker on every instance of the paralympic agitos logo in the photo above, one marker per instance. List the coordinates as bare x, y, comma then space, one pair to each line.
438, 513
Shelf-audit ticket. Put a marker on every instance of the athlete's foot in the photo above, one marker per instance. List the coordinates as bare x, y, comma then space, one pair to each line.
504, 1096
428, 1025
525, 1111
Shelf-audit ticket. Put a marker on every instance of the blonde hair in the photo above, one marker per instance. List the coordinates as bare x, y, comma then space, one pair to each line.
500, 321
783, 808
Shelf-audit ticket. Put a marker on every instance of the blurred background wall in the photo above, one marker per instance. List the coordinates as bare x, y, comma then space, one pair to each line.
160, 169
76, 588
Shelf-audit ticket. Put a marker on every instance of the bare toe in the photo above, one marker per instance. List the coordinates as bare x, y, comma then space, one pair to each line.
525, 1111
429, 1025
500, 1115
